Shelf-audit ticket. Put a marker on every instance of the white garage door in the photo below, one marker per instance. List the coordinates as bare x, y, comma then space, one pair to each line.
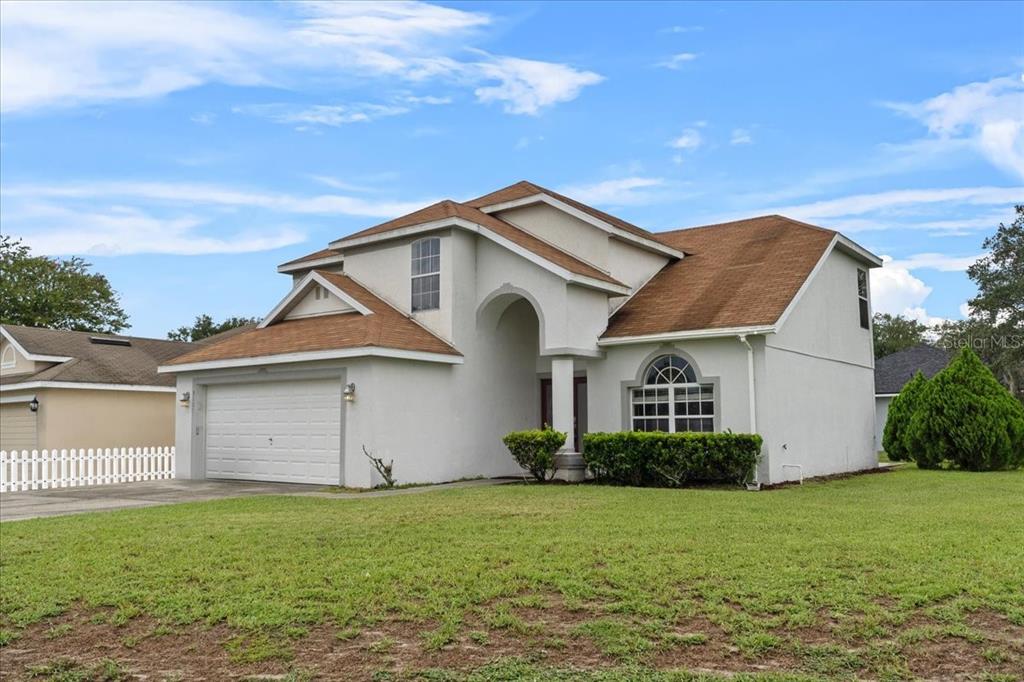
275, 431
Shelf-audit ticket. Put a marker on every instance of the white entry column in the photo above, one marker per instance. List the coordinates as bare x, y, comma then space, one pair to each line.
569, 464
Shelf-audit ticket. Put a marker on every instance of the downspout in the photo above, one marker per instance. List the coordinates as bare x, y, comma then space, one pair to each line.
753, 401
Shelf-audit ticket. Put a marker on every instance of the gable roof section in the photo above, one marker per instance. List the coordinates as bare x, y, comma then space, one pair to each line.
524, 189
310, 260
94, 363
740, 274
893, 371
517, 194
386, 327
449, 210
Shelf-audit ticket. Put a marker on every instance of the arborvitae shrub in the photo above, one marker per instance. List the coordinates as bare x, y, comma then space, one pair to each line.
901, 409
964, 415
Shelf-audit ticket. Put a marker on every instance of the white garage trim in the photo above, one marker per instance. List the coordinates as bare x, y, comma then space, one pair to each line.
309, 356
285, 430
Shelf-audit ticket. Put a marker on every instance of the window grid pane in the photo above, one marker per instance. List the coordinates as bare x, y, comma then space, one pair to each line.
672, 400
426, 280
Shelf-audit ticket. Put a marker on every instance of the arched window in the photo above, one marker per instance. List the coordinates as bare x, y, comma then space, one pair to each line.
426, 274
8, 360
671, 399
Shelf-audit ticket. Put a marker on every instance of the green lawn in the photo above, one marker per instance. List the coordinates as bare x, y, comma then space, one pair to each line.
876, 576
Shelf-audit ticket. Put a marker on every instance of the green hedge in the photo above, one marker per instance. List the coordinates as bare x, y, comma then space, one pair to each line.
671, 459
535, 450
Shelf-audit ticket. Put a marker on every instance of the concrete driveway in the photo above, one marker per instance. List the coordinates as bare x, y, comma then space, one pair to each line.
60, 501
63, 501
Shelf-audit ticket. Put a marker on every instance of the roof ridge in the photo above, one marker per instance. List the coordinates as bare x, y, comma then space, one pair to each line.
741, 221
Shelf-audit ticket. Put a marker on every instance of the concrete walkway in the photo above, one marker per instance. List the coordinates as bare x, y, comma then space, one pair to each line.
63, 501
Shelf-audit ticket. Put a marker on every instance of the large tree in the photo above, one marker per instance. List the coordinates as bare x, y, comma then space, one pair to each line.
995, 328
204, 327
38, 291
894, 333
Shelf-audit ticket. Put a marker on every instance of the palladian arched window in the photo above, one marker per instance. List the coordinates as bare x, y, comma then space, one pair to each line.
671, 399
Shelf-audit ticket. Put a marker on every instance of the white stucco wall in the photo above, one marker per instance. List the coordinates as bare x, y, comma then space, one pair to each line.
386, 269
720, 361
581, 239
816, 381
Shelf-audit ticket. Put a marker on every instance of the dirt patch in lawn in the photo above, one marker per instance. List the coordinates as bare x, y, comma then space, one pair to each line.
549, 634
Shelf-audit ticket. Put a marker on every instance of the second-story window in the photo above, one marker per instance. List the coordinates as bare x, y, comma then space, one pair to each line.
862, 296
426, 274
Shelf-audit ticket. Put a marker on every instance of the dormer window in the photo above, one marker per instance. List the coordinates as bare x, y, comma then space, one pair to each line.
426, 274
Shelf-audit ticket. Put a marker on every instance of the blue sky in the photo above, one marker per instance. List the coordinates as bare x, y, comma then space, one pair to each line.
187, 149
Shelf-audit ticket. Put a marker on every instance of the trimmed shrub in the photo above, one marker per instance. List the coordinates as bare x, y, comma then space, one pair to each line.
671, 459
535, 450
965, 416
901, 409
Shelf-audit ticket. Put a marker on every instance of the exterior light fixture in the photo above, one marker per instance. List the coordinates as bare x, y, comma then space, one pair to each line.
184, 398
34, 404
349, 393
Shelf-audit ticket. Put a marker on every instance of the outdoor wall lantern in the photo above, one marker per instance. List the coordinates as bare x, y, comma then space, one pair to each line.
184, 398
349, 393
34, 404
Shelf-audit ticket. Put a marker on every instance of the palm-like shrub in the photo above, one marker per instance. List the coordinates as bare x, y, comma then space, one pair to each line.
901, 409
964, 415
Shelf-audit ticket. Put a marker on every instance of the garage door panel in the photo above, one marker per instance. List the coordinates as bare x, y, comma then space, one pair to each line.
275, 431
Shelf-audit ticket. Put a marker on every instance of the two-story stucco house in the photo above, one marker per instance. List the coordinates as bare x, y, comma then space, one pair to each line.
425, 339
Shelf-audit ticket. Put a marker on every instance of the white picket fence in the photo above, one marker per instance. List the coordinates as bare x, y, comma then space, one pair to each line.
40, 469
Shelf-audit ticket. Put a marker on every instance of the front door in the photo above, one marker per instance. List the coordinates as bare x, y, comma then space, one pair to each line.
579, 408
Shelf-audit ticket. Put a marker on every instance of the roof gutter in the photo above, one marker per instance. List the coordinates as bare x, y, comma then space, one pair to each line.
723, 332
312, 356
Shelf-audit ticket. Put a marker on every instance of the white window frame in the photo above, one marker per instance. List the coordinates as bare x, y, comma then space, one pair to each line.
424, 276
9, 352
862, 299
648, 394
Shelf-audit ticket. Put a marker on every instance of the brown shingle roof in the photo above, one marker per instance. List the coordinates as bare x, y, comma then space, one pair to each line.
524, 189
740, 274
316, 255
452, 209
387, 327
93, 362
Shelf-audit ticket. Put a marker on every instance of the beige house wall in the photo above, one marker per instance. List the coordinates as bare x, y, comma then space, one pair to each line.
87, 418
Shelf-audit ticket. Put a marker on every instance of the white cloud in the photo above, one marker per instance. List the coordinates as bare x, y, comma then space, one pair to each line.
988, 115
865, 203
204, 118
741, 136
935, 261
332, 115
525, 86
215, 195
677, 61
690, 139
68, 54
894, 290
682, 29
619, 192
121, 231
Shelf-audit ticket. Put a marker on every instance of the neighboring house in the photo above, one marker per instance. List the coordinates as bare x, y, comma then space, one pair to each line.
425, 339
892, 373
88, 390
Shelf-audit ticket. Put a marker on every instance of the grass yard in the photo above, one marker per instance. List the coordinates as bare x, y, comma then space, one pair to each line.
901, 575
